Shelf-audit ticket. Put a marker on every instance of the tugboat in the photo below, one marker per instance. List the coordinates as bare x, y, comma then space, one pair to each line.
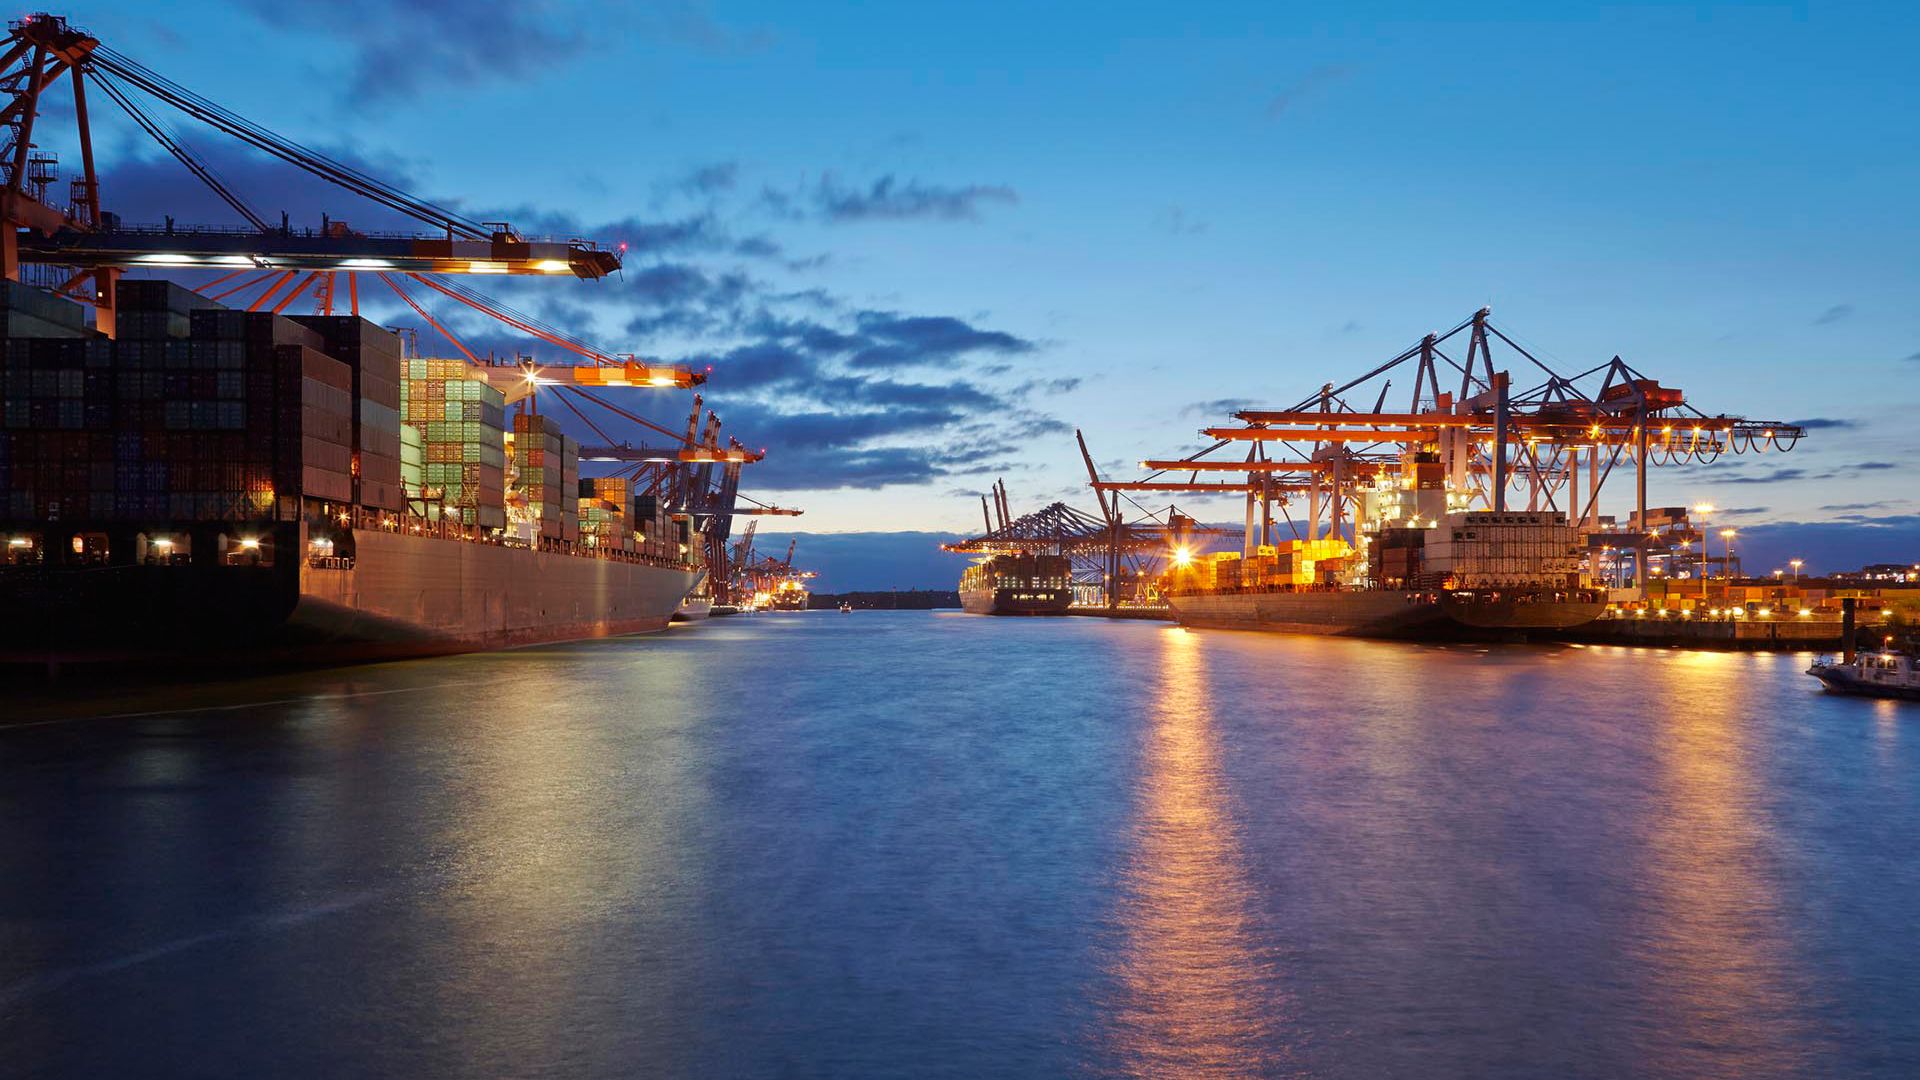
1884, 674
846, 608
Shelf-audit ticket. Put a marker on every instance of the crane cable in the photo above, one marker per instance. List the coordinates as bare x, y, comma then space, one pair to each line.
217, 116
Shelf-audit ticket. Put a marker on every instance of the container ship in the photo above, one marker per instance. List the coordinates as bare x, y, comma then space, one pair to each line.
1468, 574
1018, 584
237, 482
788, 595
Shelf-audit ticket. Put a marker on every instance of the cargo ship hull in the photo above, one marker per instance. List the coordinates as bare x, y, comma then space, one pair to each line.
400, 596
1015, 601
693, 609
1380, 613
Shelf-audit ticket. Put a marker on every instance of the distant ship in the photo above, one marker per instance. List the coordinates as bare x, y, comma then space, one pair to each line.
1018, 585
789, 595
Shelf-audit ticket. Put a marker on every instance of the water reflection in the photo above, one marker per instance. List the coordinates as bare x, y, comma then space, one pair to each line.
1718, 952
1194, 995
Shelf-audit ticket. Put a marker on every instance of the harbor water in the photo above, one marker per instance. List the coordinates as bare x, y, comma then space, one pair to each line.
939, 845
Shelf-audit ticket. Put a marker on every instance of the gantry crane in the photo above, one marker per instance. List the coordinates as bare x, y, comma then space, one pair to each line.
41, 50
1115, 556
1486, 440
269, 268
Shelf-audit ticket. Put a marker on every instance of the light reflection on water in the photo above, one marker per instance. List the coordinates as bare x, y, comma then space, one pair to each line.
1194, 989
949, 846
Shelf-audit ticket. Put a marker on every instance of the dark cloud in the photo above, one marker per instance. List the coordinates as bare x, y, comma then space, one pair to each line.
401, 48
1218, 407
1871, 466
1833, 314
1824, 424
888, 199
1311, 83
903, 341
822, 384
1829, 545
1063, 385
1855, 507
705, 180
1773, 476
1913, 358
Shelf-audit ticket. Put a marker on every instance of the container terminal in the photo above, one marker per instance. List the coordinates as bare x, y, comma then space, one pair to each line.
213, 468
766, 582
1439, 494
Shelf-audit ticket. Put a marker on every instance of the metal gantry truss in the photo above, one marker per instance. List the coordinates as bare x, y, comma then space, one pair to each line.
1494, 442
1117, 557
269, 268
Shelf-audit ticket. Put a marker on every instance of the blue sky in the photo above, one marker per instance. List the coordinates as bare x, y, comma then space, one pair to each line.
920, 243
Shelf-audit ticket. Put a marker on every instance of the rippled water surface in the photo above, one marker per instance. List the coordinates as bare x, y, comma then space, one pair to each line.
927, 845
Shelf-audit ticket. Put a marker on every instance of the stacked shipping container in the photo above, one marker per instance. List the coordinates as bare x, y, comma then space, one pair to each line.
546, 471
373, 355
1486, 549
606, 513
463, 427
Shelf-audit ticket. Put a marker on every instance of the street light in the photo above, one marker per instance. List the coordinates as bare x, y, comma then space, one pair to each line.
1728, 535
1703, 509
1795, 563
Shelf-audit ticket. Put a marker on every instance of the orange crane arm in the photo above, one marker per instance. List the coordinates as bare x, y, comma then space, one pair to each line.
1320, 435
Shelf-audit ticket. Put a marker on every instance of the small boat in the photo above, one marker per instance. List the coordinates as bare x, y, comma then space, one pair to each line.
1883, 674
723, 609
846, 608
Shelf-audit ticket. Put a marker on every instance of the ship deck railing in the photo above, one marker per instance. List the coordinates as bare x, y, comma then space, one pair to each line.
388, 521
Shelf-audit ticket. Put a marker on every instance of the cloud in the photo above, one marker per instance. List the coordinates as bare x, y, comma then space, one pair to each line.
1216, 408
904, 341
1913, 358
1871, 466
1173, 219
1833, 314
1855, 507
707, 179
1824, 424
887, 199
1829, 545
1774, 476
840, 394
400, 48
1065, 384
1311, 83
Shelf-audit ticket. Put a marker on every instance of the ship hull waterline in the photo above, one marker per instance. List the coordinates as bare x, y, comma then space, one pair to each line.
1011, 602
1387, 614
404, 596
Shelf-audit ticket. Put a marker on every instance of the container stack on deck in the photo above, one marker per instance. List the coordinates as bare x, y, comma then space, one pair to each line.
606, 509
546, 470
373, 355
1488, 549
196, 413
413, 466
463, 428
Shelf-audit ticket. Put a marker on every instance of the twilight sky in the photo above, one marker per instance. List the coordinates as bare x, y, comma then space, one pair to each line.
920, 243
